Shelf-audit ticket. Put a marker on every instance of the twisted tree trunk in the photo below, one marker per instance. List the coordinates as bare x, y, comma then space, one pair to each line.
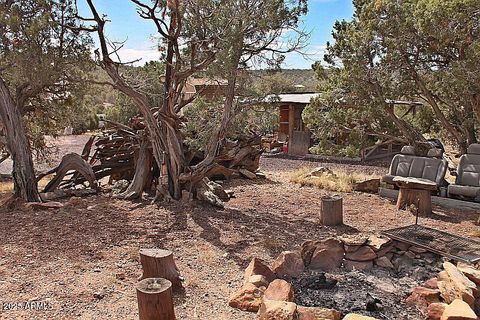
25, 184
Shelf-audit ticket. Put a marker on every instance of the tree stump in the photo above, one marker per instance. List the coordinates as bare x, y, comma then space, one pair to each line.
421, 199
158, 263
332, 211
155, 302
417, 192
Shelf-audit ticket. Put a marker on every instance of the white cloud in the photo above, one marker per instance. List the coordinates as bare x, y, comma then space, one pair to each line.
146, 55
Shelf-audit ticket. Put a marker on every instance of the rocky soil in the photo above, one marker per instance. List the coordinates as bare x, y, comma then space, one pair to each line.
83, 258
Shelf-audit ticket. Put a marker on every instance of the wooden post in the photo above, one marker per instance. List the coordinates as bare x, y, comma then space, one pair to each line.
332, 211
158, 263
155, 302
291, 122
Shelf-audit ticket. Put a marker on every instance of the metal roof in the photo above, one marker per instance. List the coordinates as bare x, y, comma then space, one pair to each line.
304, 98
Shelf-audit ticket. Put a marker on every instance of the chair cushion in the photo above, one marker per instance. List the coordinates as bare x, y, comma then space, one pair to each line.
466, 191
435, 153
474, 148
468, 172
410, 150
432, 169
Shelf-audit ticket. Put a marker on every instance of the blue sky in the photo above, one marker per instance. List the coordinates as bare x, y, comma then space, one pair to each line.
139, 33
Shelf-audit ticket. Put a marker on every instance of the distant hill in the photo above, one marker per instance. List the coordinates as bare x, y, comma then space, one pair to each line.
299, 77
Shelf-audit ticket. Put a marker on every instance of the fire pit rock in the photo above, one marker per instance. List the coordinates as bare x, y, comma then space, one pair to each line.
314, 313
363, 276
440, 294
279, 290
277, 310
288, 264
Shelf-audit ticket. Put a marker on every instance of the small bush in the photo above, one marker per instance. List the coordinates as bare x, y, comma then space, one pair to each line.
341, 181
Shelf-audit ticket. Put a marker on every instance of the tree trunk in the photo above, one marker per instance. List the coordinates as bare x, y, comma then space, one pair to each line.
155, 302
25, 184
469, 125
158, 263
143, 172
405, 128
457, 135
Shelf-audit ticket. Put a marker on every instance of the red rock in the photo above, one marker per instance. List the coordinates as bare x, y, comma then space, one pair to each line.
317, 313
276, 310
358, 265
350, 249
422, 297
458, 310
308, 247
431, 283
288, 264
402, 246
369, 185
328, 255
355, 240
435, 310
279, 290
248, 298
386, 250
470, 272
354, 316
384, 262
453, 284
377, 242
364, 253
417, 250
257, 266
410, 254
258, 280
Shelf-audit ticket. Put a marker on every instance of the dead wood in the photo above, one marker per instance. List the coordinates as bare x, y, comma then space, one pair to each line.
143, 172
72, 161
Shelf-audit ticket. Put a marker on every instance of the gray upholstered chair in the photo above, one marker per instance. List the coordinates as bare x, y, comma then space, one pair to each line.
467, 184
407, 164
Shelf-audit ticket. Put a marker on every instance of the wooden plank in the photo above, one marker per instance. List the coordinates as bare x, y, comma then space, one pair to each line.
299, 143
291, 121
448, 203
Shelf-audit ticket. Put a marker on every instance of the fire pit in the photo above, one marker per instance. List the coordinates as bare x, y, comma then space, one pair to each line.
370, 275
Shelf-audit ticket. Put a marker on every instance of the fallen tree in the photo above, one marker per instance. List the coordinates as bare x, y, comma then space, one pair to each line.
125, 153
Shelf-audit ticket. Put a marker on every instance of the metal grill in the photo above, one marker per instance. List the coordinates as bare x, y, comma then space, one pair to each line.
440, 242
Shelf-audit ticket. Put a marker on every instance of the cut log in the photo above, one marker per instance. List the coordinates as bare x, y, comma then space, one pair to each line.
417, 192
332, 211
419, 198
155, 302
158, 263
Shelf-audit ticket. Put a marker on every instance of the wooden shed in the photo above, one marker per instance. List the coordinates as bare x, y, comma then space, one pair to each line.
291, 127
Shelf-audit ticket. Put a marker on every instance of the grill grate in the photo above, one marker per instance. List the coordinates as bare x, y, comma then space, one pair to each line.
440, 242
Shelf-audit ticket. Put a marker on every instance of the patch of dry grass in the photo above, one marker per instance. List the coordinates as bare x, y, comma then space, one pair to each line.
7, 186
341, 181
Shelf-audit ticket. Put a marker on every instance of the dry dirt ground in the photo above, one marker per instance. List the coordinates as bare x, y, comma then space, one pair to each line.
83, 258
